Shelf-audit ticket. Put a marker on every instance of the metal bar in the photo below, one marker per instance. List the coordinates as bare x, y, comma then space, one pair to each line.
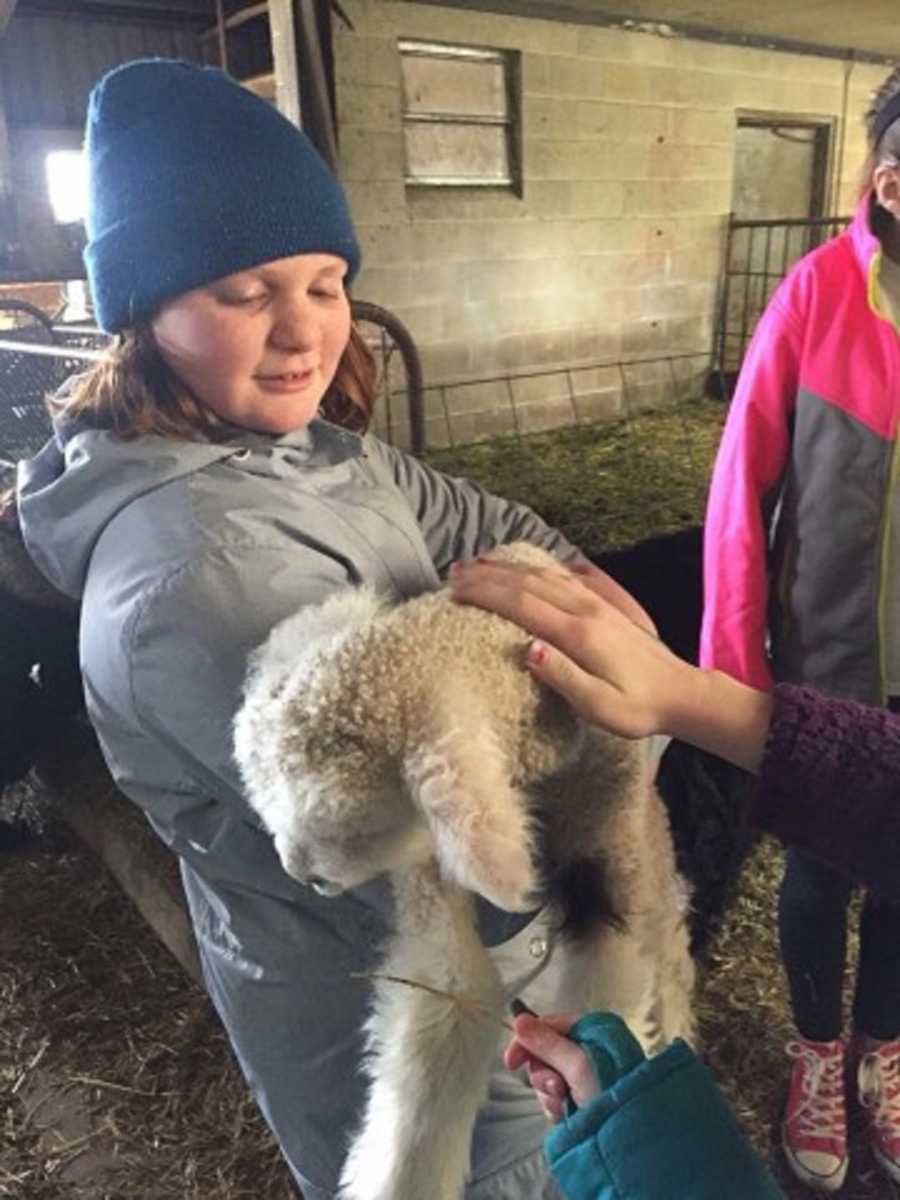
765, 285
754, 274
59, 352
558, 368
512, 404
220, 34
315, 93
761, 223
682, 419
236, 20
132, 12
386, 377
626, 402
575, 414
742, 344
284, 56
450, 438
719, 334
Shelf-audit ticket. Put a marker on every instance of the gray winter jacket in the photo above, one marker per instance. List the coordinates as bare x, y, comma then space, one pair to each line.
185, 554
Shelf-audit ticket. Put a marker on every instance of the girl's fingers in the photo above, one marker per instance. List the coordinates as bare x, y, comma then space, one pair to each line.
559, 1055
552, 1108
556, 587
561, 1022
516, 1055
547, 1081
551, 1086
584, 691
525, 608
613, 593
573, 589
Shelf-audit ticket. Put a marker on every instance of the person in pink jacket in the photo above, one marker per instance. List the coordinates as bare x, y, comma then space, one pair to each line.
802, 585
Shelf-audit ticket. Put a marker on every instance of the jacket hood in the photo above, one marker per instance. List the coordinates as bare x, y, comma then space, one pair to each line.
863, 237
70, 491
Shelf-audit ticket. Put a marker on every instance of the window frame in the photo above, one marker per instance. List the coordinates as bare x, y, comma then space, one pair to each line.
511, 123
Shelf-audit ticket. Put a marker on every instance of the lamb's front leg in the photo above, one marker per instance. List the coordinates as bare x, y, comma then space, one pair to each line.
431, 1058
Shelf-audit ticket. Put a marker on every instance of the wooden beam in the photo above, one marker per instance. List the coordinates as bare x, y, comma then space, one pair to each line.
572, 14
143, 12
236, 20
284, 57
315, 64
77, 783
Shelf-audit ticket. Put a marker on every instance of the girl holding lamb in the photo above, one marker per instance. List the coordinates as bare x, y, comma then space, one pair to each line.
192, 498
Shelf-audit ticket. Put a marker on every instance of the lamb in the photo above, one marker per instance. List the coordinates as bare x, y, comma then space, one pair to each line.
408, 739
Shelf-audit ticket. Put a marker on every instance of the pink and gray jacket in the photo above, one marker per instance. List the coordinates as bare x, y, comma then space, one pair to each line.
797, 522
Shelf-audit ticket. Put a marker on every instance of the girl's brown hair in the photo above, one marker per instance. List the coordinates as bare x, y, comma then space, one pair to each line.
133, 391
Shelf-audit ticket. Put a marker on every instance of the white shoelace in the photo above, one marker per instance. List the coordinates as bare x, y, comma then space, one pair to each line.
822, 1112
879, 1088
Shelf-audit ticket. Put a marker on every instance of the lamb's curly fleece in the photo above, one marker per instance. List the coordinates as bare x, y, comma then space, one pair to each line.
409, 739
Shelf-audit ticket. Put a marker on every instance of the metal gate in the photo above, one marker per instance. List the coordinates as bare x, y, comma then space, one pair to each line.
758, 255
37, 357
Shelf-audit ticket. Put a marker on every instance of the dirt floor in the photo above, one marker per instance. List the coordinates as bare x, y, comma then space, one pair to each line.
116, 1082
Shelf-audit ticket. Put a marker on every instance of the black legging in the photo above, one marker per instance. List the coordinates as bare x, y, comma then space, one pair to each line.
813, 926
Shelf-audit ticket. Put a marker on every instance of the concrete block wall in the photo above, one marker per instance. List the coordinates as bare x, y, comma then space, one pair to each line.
614, 249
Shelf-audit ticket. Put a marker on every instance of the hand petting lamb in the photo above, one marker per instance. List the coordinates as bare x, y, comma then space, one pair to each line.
408, 739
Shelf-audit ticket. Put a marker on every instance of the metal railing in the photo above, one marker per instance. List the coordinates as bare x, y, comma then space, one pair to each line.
758, 255
609, 389
37, 357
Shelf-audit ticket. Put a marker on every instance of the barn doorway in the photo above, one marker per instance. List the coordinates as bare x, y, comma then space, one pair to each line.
779, 212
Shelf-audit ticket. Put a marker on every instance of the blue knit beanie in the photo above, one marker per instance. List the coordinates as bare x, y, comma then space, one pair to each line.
193, 177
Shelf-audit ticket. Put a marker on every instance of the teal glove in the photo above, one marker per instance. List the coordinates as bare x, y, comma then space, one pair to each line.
659, 1130
610, 1045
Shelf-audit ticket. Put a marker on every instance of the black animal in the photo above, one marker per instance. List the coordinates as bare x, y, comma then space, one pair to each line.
665, 574
39, 677
707, 799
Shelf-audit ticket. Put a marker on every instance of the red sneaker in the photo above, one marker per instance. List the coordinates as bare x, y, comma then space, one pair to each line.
814, 1132
878, 1080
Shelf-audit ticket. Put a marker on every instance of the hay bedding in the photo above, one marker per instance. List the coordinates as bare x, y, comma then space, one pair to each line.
116, 1081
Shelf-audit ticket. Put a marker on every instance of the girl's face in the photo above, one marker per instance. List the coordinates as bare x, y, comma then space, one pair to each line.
261, 347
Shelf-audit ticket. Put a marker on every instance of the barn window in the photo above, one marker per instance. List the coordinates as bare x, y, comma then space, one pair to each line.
67, 185
460, 116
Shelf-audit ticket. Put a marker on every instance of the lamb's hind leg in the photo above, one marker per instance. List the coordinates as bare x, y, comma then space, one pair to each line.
675, 966
431, 1058
607, 970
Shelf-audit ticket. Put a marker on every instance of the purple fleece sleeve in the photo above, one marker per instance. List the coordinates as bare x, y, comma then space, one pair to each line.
830, 783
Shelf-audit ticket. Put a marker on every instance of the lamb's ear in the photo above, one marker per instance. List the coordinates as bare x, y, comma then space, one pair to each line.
479, 822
